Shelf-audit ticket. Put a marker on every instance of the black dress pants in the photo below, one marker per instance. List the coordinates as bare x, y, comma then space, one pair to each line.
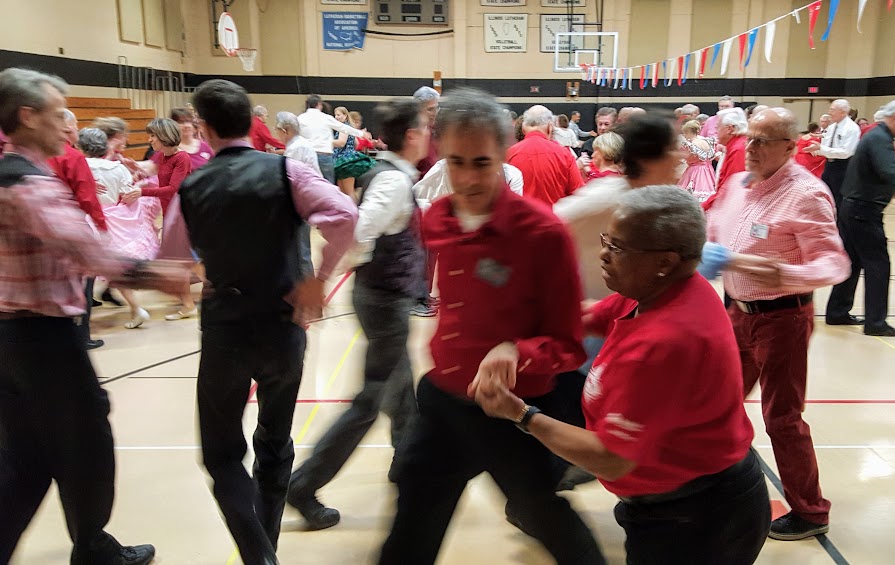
834, 176
455, 441
54, 427
271, 353
861, 228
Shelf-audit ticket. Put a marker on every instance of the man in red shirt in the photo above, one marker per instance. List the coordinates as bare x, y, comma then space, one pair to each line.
71, 167
548, 169
259, 133
510, 296
731, 134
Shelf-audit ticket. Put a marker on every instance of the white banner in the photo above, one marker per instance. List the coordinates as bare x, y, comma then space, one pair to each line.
770, 30
561, 3
504, 3
552, 24
506, 33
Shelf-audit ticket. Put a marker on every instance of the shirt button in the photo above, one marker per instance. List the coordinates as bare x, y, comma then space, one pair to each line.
453, 369
455, 273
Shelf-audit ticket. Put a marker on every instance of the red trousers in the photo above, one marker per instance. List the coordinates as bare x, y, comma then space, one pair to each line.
774, 353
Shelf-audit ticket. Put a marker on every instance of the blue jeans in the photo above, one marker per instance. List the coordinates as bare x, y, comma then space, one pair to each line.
325, 162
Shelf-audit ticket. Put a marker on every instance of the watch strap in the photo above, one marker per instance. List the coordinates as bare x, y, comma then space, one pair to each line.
529, 413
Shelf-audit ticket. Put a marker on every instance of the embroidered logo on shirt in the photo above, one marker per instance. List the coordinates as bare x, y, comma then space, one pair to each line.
592, 387
492, 272
622, 427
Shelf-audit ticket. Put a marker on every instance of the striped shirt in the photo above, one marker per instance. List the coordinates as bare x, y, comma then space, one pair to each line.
790, 217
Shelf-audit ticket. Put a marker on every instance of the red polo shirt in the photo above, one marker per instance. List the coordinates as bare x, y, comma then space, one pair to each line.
514, 279
71, 167
666, 390
548, 169
261, 137
734, 162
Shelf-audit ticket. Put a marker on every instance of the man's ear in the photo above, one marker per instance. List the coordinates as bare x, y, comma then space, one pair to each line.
28, 117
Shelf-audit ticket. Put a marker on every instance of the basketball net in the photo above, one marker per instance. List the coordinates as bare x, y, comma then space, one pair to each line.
247, 57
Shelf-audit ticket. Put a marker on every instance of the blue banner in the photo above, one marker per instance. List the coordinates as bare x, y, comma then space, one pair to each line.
343, 31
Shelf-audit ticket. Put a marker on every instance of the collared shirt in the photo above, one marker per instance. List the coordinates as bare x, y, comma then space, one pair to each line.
548, 169
734, 162
260, 136
871, 174
386, 206
319, 203
514, 279
565, 137
710, 127
47, 245
840, 140
71, 167
318, 128
301, 150
437, 183
789, 217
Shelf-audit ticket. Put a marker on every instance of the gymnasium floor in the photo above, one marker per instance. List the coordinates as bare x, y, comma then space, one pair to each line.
163, 496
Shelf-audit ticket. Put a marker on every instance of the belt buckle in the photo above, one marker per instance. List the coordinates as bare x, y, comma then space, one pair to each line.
745, 307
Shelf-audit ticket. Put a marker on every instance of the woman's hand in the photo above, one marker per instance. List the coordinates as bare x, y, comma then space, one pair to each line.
498, 368
500, 403
132, 196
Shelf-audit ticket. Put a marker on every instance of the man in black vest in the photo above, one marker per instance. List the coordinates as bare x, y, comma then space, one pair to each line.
387, 285
244, 211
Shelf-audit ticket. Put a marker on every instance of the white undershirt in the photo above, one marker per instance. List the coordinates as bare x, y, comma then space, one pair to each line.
469, 222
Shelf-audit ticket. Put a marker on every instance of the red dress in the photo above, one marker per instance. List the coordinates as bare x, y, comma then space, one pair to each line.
809, 161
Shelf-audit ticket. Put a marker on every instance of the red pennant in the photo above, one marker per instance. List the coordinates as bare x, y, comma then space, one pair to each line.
704, 57
813, 11
642, 77
655, 74
743, 38
680, 71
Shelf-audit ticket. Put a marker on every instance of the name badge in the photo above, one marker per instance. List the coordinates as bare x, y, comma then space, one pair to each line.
492, 272
760, 231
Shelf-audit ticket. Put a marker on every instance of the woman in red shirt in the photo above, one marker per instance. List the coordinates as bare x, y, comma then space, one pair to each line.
813, 163
666, 429
174, 164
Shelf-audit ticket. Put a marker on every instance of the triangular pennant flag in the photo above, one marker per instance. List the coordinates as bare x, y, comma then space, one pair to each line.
752, 36
686, 67
680, 70
813, 11
742, 39
725, 55
715, 52
630, 74
655, 74
624, 79
770, 30
703, 57
617, 73
861, 5
795, 14
665, 73
834, 5
642, 77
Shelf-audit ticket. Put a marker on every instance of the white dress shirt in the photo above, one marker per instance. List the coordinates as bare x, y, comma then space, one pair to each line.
386, 205
114, 176
317, 127
847, 135
437, 184
300, 149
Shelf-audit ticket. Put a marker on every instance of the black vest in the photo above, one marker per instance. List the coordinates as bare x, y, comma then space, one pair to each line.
13, 168
399, 261
243, 224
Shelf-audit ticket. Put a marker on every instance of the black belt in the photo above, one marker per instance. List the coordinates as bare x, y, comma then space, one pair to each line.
782, 303
843, 161
695, 486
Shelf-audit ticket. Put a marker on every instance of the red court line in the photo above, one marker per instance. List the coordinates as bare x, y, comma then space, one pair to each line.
337, 287
835, 401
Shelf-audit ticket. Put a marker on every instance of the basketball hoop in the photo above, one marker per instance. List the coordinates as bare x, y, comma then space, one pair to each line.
247, 56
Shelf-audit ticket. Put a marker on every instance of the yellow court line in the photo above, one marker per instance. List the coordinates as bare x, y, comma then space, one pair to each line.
307, 425
884, 342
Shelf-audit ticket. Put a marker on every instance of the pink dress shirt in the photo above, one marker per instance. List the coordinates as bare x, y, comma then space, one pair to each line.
789, 217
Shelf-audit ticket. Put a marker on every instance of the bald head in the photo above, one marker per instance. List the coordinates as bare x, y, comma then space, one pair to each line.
780, 121
772, 140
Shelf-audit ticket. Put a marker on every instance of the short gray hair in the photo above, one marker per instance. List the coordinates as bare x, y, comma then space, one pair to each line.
426, 93
667, 217
259, 110
689, 109
474, 110
734, 117
93, 142
841, 104
537, 116
24, 87
886, 111
287, 121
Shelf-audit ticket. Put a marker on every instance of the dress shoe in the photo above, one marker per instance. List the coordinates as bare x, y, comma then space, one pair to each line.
318, 516
846, 321
137, 554
107, 297
95, 303
573, 477
882, 331
95, 344
790, 527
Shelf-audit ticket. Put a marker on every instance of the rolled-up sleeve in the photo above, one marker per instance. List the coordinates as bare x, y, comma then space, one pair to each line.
326, 208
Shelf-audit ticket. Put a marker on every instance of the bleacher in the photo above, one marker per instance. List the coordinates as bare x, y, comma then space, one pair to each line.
88, 109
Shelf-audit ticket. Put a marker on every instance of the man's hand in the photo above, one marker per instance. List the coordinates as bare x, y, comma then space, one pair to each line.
501, 403
498, 368
132, 196
765, 271
307, 298
811, 148
101, 188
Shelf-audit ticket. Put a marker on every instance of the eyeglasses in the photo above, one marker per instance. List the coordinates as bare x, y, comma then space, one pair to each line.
762, 141
616, 250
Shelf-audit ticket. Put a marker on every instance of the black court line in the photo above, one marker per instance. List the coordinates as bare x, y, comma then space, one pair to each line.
823, 540
147, 367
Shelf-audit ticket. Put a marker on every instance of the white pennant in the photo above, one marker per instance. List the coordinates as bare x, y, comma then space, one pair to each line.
770, 31
861, 5
669, 72
796, 16
698, 64
725, 55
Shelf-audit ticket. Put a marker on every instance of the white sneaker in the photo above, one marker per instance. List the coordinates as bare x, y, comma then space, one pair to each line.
138, 320
181, 315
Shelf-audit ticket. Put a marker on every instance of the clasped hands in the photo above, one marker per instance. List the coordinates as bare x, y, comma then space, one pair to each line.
308, 299
496, 378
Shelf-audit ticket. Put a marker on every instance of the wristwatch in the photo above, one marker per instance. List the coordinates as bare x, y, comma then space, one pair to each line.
525, 417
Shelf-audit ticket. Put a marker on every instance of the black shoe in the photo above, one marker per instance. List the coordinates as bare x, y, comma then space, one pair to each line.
846, 321
137, 554
791, 528
883, 331
107, 297
318, 516
94, 344
96, 303
573, 477
516, 521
